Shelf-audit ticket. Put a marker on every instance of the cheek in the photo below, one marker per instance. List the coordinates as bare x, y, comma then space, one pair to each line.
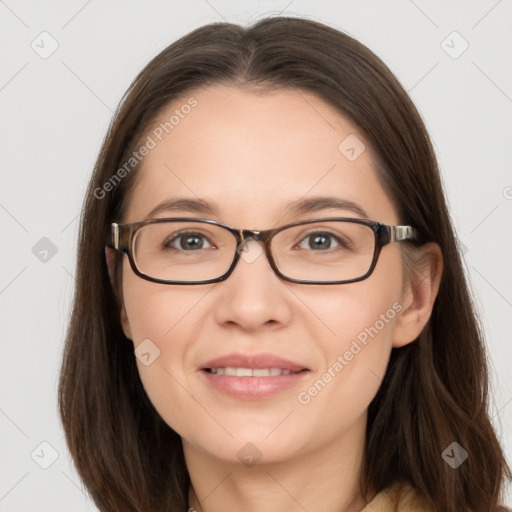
164, 323
363, 310
355, 335
155, 310
356, 359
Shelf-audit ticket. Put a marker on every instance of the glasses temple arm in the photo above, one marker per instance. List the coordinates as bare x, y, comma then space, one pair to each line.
400, 233
113, 236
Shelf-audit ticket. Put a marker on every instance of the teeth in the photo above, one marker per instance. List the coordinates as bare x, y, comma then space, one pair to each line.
250, 372
263, 372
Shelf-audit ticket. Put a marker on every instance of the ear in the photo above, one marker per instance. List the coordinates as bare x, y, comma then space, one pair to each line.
125, 324
110, 255
419, 294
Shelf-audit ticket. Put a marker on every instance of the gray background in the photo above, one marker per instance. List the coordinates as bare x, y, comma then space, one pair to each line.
54, 114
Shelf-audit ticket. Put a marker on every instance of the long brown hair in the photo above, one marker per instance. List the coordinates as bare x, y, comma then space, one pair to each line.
435, 390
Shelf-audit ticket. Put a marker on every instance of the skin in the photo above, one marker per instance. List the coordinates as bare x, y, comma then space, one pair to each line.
251, 154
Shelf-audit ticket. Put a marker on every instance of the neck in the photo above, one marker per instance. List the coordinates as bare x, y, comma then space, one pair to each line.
326, 478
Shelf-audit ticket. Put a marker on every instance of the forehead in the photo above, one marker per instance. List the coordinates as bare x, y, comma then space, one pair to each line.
250, 153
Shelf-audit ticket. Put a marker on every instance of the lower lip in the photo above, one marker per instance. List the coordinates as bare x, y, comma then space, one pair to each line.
253, 388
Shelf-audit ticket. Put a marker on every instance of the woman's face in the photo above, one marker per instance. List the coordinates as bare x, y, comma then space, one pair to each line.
249, 155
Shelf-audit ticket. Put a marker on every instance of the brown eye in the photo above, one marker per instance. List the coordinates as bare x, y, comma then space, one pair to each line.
188, 242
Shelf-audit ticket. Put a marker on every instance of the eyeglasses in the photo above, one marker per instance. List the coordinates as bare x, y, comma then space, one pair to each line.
201, 251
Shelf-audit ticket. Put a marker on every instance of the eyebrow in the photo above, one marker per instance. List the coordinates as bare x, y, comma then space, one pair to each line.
299, 207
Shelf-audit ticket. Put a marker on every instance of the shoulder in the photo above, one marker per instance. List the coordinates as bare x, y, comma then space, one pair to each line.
399, 497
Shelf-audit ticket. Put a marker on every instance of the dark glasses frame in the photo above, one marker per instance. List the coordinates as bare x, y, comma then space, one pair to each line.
121, 238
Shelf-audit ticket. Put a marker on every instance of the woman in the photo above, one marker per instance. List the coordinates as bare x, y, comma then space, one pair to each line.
271, 311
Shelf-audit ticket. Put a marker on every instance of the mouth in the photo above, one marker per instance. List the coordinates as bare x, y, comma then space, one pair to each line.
252, 376
252, 372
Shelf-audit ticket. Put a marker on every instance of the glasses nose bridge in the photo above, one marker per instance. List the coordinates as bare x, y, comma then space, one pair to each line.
247, 235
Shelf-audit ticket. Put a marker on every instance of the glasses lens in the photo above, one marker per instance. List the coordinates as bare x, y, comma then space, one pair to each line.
324, 251
183, 251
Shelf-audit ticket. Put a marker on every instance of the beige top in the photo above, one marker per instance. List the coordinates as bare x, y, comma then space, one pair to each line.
399, 497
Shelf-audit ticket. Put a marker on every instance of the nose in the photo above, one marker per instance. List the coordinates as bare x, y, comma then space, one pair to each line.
253, 296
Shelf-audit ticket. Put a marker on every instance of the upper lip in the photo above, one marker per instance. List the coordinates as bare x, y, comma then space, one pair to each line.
257, 361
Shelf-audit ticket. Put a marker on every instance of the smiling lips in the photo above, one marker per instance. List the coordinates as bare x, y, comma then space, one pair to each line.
252, 376
250, 372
